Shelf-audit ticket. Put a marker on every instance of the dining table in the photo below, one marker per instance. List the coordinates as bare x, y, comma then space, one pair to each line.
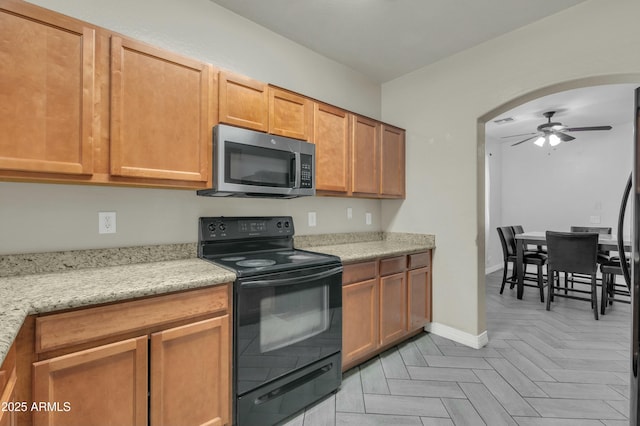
539, 238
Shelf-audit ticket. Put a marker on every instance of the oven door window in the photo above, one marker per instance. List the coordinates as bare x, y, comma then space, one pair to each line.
254, 165
288, 317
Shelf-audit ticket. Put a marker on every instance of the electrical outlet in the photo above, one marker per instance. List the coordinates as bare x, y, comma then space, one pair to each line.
312, 218
367, 218
349, 213
106, 222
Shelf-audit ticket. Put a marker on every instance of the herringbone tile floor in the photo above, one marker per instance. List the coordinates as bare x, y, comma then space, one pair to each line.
540, 368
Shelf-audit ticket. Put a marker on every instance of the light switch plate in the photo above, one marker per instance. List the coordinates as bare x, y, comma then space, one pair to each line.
349, 213
312, 218
367, 218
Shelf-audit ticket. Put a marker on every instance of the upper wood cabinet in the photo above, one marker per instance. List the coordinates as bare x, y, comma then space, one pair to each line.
243, 102
161, 113
46, 91
332, 139
365, 142
392, 162
290, 114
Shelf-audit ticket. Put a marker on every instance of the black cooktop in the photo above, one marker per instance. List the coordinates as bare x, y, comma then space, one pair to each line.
254, 245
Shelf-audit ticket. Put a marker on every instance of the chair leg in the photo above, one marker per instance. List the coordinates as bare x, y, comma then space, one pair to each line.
540, 283
594, 296
551, 277
605, 290
504, 277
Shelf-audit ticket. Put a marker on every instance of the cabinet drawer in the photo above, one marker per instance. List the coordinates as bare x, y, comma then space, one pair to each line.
84, 325
358, 272
419, 260
393, 265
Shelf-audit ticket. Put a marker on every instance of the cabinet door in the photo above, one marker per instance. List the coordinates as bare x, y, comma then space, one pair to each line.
46, 91
190, 374
161, 113
419, 292
106, 385
8, 416
364, 156
359, 320
243, 102
331, 137
8, 380
290, 114
393, 307
392, 162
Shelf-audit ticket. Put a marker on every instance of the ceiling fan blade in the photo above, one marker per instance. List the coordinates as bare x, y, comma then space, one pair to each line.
523, 141
564, 137
582, 129
522, 134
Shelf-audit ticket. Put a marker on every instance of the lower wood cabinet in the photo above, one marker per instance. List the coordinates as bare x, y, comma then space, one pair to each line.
196, 393
383, 302
8, 389
360, 315
168, 374
104, 384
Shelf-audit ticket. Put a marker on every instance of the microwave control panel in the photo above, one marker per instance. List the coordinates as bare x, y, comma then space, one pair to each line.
306, 171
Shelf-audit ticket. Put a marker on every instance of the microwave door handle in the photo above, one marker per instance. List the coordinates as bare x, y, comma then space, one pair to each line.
295, 280
297, 170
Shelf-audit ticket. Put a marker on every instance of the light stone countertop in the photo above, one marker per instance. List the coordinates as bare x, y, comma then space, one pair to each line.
32, 290
39, 293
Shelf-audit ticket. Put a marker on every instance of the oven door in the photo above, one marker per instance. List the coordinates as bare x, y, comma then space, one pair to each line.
286, 321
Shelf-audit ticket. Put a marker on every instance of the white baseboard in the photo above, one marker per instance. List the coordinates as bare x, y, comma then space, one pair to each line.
458, 336
493, 268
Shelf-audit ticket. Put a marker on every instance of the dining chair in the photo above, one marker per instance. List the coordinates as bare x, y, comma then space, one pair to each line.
611, 290
508, 242
519, 229
603, 255
572, 252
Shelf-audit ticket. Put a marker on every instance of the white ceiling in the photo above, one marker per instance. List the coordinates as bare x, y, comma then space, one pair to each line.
607, 105
385, 39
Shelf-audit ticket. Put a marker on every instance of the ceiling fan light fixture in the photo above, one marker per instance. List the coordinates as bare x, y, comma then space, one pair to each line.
554, 140
540, 141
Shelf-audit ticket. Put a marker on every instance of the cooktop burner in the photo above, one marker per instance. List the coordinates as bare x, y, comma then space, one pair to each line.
256, 263
233, 258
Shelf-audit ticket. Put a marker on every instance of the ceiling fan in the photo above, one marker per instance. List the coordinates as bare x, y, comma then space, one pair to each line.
554, 132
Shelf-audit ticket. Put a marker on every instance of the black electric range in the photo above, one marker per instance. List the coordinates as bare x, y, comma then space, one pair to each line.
287, 316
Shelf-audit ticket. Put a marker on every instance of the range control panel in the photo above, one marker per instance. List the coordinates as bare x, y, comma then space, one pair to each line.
240, 228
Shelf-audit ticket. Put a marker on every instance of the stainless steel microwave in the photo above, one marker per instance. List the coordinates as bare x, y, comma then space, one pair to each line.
247, 163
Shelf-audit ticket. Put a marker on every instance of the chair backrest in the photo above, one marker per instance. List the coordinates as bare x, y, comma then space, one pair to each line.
518, 229
507, 240
596, 229
572, 251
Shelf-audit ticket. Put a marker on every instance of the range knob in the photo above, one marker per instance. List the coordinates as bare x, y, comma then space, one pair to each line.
286, 224
279, 224
212, 227
222, 227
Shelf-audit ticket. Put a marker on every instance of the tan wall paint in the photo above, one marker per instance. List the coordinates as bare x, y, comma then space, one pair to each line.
444, 107
43, 217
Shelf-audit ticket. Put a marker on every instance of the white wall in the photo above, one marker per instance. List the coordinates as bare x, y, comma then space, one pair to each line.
554, 188
493, 205
440, 106
45, 217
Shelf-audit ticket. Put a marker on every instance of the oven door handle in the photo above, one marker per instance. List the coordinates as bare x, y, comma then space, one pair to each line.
294, 280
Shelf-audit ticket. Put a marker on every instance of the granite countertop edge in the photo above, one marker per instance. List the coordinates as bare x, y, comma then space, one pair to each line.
24, 295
